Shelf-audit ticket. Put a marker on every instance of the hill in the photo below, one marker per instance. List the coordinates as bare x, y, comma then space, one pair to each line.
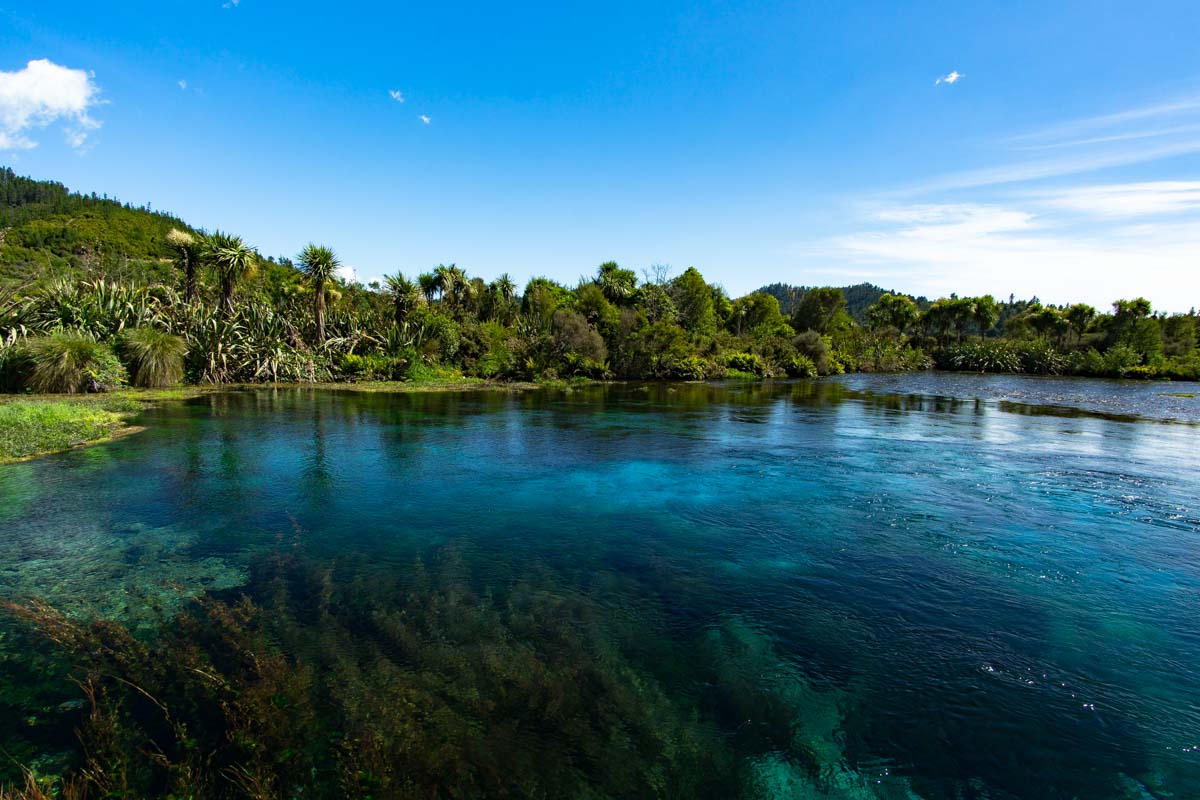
48, 232
859, 298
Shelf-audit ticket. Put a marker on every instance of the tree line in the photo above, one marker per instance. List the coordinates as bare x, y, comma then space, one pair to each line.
208, 308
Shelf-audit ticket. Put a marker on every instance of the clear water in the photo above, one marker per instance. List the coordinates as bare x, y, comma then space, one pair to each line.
972, 587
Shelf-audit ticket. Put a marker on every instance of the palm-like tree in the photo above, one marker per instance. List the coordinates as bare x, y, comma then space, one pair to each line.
506, 287
320, 264
233, 262
446, 278
429, 285
187, 246
406, 295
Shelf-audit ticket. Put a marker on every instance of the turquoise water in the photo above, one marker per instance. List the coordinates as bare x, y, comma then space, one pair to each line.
875, 587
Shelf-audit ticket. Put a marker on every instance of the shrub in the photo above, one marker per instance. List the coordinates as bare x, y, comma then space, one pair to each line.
695, 368
154, 357
1119, 359
815, 347
1040, 357
801, 366
745, 362
985, 356
66, 363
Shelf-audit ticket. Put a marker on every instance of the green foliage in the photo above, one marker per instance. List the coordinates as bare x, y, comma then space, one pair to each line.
757, 315
801, 366
29, 428
695, 368
69, 362
897, 312
745, 362
817, 310
1039, 357
981, 356
693, 299
244, 318
154, 358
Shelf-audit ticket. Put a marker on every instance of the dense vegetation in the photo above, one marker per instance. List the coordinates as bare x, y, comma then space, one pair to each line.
95, 294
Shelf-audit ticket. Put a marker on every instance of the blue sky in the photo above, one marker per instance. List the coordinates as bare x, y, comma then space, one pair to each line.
810, 143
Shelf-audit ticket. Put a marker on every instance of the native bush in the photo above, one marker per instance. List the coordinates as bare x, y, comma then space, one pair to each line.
1040, 357
695, 368
154, 357
745, 362
989, 355
801, 366
68, 362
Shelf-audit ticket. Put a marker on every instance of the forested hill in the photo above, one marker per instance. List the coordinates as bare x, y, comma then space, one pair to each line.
48, 232
859, 298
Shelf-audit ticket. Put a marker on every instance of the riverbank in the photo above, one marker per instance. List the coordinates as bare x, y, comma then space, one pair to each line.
38, 425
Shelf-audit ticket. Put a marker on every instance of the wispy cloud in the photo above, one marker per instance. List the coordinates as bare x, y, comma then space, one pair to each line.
183, 85
1071, 164
425, 118
231, 4
396, 95
954, 76
42, 94
1088, 144
1126, 200
976, 249
1046, 224
1085, 126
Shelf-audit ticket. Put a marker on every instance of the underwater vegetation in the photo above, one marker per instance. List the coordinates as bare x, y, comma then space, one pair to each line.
333, 679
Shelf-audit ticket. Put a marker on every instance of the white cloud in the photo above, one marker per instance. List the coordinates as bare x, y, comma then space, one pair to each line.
952, 77
1029, 227
935, 249
425, 118
1148, 198
42, 94
183, 85
396, 95
231, 4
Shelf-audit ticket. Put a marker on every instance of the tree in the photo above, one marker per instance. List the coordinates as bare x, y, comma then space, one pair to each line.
893, 311
818, 308
758, 314
693, 299
232, 261
1080, 316
1133, 327
405, 295
985, 312
428, 283
617, 284
188, 248
320, 265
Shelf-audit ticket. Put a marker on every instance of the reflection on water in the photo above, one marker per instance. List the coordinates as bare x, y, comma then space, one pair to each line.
875, 587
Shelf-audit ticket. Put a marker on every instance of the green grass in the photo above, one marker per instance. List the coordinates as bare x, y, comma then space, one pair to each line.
29, 428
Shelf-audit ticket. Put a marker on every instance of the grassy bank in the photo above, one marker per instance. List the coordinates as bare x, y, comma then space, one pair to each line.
30, 428
35, 425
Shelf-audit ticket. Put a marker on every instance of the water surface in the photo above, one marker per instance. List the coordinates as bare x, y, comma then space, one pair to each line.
873, 587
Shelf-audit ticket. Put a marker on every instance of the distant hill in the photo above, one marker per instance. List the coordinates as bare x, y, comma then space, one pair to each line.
859, 298
48, 232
